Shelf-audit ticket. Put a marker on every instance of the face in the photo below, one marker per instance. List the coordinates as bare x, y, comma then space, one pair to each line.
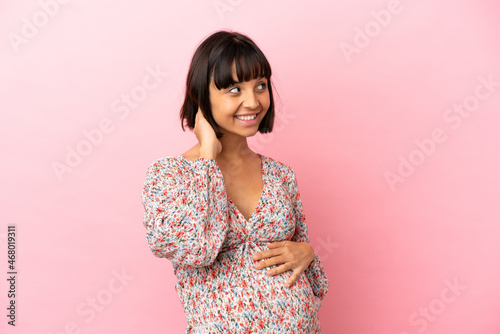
240, 108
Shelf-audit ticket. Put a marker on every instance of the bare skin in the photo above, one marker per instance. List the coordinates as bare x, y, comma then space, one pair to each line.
241, 167
243, 180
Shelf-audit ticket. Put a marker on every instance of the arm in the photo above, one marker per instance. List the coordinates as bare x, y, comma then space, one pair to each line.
185, 215
315, 272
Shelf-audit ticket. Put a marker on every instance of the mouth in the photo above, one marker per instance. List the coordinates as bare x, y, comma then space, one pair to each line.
247, 117
247, 120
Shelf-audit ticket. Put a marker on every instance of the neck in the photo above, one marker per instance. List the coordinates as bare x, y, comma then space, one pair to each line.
234, 147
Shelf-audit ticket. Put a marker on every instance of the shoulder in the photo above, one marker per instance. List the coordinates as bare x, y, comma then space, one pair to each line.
280, 169
164, 162
165, 167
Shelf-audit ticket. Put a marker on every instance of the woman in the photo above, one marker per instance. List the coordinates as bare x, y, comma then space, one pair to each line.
219, 208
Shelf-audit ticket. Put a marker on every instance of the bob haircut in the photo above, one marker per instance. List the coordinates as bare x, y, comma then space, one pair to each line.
214, 58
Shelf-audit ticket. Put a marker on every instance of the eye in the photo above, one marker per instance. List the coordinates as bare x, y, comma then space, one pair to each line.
232, 89
263, 84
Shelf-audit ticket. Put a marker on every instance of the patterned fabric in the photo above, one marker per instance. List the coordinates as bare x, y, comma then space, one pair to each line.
191, 221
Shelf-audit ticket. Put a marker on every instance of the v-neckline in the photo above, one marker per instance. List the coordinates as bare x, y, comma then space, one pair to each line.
262, 174
264, 183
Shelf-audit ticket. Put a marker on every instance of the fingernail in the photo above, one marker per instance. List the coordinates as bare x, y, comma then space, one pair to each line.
257, 265
287, 285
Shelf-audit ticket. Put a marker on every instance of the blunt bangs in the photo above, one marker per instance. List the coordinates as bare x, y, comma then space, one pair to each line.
214, 59
250, 64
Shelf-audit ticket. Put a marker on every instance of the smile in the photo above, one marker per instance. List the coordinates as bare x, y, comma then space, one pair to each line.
246, 118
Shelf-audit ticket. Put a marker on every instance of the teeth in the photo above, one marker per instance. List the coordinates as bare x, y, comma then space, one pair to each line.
246, 118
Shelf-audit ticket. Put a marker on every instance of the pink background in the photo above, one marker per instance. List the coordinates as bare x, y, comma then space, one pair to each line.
417, 255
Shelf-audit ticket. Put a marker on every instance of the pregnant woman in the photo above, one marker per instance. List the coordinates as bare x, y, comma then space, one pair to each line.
231, 220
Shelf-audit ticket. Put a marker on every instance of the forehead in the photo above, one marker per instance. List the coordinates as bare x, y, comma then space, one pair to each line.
235, 78
234, 74
239, 65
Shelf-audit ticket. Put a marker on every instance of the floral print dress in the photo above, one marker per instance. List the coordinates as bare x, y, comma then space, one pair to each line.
191, 221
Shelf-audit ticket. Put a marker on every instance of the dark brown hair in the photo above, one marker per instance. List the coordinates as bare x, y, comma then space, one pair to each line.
214, 57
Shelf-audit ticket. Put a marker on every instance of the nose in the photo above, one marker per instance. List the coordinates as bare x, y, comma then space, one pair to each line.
251, 101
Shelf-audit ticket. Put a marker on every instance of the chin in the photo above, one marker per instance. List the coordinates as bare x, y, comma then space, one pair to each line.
250, 132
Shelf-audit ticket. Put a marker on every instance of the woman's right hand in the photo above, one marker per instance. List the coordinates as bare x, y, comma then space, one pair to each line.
210, 145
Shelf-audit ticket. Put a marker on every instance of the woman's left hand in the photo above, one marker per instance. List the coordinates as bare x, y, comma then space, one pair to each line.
287, 255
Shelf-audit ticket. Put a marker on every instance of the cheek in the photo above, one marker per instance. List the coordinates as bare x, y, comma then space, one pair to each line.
225, 108
221, 107
265, 102
223, 112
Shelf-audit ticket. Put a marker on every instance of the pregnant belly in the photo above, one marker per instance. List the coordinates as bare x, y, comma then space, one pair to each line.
232, 296
274, 305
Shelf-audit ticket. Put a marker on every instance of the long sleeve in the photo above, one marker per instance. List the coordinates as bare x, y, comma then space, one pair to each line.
315, 273
186, 211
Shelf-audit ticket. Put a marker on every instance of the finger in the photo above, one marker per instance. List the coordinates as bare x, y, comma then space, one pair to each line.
279, 270
292, 278
277, 244
270, 262
199, 115
265, 254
